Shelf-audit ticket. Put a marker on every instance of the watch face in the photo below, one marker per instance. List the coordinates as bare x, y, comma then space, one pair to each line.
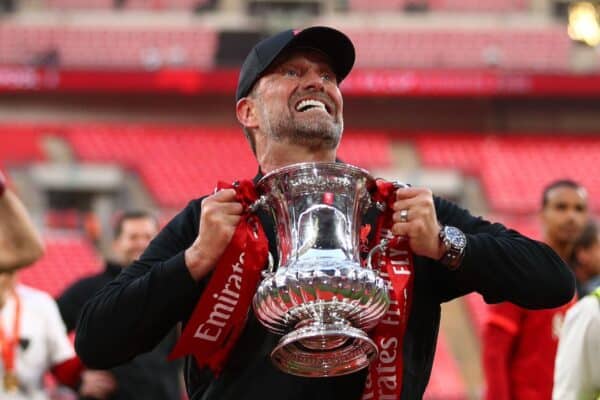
455, 236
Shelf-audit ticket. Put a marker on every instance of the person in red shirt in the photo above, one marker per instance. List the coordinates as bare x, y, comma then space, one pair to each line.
519, 345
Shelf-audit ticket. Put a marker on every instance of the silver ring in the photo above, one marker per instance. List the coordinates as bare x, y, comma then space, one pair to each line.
404, 215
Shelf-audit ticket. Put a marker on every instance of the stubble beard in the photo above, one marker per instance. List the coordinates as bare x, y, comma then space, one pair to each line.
314, 133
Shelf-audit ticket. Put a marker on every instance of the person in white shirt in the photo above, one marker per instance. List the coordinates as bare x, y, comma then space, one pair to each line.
33, 338
33, 341
577, 368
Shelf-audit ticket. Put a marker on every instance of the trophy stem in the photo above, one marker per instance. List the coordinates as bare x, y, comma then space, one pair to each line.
317, 348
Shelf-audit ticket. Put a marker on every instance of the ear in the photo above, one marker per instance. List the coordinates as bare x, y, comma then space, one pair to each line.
246, 113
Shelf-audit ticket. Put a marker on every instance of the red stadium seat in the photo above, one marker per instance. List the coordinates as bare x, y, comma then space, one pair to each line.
543, 48
181, 163
440, 5
118, 47
514, 169
67, 259
20, 143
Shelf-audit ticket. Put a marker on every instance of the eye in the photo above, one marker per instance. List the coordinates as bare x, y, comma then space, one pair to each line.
328, 76
290, 72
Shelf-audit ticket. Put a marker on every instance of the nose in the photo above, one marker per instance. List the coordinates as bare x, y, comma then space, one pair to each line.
313, 80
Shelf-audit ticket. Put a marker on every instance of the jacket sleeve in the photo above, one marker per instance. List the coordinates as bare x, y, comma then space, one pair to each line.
135, 311
502, 265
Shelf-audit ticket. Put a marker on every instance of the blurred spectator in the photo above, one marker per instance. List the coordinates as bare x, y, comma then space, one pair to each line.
586, 259
33, 338
148, 376
519, 345
577, 371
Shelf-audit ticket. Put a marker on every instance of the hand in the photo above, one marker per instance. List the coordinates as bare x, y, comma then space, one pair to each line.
97, 384
420, 224
219, 218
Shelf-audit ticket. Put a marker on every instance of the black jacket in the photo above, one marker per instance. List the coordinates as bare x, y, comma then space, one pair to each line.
132, 313
148, 376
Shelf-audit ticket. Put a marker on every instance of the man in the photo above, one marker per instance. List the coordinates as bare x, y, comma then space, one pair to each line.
577, 372
519, 345
149, 376
33, 340
20, 244
586, 259
290, 107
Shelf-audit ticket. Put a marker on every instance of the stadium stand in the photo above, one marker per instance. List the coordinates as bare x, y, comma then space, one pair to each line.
195, 46
495, 6
146, 5
25, 143
440, 5
97, 46
543, 48
79, 4
539, 159
181, 163
67, 258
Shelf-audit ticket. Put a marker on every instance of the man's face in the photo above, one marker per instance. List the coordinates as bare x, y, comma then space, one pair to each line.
298, 101
135, 236
565, 214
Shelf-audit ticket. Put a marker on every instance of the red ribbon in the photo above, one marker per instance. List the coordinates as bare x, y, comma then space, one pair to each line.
9, 344
395, 265
220, 315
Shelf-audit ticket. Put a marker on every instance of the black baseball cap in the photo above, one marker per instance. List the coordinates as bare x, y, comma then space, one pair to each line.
329, 41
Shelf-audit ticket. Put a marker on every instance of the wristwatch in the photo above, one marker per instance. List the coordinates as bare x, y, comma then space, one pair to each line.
455, 242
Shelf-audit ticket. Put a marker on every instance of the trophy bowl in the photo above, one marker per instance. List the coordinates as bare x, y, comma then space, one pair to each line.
321, 298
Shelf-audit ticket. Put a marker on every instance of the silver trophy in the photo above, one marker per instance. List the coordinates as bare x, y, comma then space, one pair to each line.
320, 297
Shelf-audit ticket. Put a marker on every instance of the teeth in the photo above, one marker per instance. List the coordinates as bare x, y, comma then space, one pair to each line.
310, 103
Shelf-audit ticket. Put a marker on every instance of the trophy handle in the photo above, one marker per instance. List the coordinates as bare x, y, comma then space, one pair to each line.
381, 247
270, 271
261, 202
381, 206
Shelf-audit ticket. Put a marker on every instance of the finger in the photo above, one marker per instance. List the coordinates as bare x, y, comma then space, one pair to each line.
410, 192
223, 195
405, 204
218, 207
232, 220
232, 208
401, 228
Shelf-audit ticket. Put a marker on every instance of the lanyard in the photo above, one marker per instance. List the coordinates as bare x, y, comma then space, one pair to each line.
9, 343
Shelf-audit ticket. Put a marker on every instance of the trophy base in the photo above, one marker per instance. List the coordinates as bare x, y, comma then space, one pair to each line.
318, 349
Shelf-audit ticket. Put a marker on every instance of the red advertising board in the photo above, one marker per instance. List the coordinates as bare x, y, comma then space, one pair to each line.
395, 83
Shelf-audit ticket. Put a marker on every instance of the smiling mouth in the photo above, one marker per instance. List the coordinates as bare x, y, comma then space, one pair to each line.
312, 104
